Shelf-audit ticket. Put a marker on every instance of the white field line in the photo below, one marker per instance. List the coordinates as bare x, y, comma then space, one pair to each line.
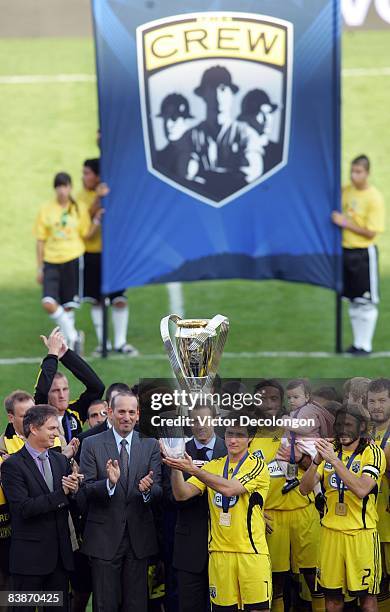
32, 79
243, 355
176, 298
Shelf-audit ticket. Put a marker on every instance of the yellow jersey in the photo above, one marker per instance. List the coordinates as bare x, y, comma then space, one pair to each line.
361, 513
365, 208
246, 532
266, 448
62, 230
384, 494
87, 198
2, 498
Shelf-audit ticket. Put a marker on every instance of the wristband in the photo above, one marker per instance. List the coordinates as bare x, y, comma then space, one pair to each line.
317, 464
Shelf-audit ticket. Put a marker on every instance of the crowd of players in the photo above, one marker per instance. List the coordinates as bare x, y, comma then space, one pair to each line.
104, 511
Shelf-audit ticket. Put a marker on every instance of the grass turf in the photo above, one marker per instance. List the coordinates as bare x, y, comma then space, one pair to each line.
51, 127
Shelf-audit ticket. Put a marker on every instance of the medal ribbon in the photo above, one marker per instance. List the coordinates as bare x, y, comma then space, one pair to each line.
340, 484
226, 500
385, 438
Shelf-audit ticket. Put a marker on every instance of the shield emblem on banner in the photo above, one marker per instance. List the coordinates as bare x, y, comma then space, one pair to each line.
215, 92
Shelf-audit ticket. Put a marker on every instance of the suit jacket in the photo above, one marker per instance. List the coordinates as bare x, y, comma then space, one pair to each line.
39, 518
190, 552
108, 517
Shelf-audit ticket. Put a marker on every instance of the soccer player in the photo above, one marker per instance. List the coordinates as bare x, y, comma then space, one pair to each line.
60, 228
350, 470
52, 387
362, 219
237, 486
293, 533
378, 404
90, 196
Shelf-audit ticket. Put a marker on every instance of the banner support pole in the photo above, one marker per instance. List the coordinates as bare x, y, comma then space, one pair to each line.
105, 305
339, 323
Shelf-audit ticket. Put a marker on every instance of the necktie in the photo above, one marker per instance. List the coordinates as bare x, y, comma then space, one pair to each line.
124, 461
201, 453
47, 473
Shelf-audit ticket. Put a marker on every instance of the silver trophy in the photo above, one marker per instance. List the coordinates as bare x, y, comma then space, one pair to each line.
194, 349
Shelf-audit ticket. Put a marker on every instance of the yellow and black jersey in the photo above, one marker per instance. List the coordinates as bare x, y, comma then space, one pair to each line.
62, 230
87, 197
5, 530
267, 448
77, 411
246, 531
360, 513
365, 208
382, 439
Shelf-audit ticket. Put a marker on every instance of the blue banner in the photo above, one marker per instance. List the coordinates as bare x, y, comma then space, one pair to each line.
220, 139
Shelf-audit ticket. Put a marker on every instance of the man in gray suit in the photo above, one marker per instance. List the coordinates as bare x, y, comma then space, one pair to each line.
122, 476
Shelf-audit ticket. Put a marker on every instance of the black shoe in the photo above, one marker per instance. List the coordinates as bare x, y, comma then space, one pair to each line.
290, 484
319, 503
351, 350
361, 353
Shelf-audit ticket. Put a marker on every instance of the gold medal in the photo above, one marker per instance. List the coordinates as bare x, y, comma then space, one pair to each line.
341, 509
292, 470
225, 519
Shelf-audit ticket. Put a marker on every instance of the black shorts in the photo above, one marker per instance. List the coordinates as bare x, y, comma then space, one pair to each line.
62, 283
361, 274
93, 279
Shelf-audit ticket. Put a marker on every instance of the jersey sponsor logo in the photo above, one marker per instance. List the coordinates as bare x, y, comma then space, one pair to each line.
73, 423
355, 467
218, 500
275, 470
215, 90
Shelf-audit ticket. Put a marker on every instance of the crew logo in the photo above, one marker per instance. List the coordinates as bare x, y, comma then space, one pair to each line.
215, 91
218, 500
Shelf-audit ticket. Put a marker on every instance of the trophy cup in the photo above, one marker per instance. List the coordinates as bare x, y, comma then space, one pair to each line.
194, 354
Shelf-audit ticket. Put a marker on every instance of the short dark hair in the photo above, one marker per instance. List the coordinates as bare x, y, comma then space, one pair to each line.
362, 160
299, 382
16, 396
270, 382
62, 179
116, 386
327, 393
93, 164
96, 402
379, 384
37, 416
128, 393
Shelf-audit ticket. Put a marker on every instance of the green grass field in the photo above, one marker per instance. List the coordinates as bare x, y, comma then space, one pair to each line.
50, 127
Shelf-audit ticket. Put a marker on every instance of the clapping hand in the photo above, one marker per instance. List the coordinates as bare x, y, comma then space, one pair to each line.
184, 465
145, 484
325, 450
70, 484
71, 449
113, 471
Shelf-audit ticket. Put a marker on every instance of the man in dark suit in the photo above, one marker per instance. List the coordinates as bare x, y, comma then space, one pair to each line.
37, 483
190, 554
122, 477
111, 392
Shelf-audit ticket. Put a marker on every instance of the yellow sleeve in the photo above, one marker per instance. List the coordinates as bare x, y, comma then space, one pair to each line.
254, 476
196, 482
320, 470
84, 219
373, 462
376, 214
40, 228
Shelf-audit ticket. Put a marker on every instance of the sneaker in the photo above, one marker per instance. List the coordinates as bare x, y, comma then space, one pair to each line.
351, 350
79, 343
290, 484
127, 349
361, 353
97, 352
